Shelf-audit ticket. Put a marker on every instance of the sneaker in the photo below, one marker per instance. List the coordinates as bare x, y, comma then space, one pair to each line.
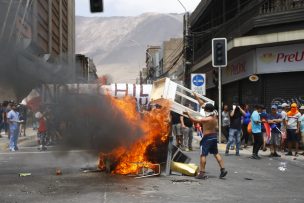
201, 175
223, 173
296, 154
288, 154
232, 148
12, 150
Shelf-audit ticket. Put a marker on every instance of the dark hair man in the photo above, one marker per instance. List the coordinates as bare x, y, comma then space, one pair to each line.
13, 120
235, 128
256, 131
209, 142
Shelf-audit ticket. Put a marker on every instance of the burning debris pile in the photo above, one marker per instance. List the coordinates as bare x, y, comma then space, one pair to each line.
148, 149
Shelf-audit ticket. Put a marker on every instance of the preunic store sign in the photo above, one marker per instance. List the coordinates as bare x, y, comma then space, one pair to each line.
280, 59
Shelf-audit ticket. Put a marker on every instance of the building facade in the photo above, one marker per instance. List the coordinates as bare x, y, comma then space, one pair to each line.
152, 63
265, 38
85, 70
171, 61
41, 36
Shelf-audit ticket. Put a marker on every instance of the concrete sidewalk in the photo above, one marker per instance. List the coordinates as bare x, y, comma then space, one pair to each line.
247, 152
31, 136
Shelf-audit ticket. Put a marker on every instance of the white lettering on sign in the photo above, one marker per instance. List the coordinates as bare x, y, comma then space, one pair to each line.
140, 92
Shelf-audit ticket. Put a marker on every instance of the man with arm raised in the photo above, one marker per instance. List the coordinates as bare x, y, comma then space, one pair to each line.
208, 143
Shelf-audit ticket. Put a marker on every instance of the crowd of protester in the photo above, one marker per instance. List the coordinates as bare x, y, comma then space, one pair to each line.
14, 121
281, 129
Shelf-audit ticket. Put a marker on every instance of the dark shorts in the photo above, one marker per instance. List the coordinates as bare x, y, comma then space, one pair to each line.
292, 135
209, 144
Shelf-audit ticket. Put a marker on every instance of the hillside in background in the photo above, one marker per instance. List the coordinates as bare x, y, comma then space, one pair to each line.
117, 44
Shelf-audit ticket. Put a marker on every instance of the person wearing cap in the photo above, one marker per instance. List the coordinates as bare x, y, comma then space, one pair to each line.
293, 128
275, 120
256, 124
302, 125
208, 144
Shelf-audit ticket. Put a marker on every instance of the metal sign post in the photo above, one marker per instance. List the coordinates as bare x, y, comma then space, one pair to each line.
220, 102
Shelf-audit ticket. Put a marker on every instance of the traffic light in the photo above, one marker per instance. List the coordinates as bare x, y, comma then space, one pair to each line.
219, 52
96, 6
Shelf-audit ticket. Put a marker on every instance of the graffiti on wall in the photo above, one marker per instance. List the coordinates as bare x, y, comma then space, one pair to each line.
296, 99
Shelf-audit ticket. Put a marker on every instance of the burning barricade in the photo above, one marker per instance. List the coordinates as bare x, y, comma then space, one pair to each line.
145, 152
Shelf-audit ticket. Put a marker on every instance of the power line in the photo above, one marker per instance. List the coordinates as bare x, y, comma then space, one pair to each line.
227, 12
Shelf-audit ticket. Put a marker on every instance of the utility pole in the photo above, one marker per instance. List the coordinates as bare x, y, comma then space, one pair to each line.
186, 48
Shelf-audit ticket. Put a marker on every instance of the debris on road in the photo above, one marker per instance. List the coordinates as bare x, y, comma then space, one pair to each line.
58, 172
185, 169
24, 174
91, 170
282, 166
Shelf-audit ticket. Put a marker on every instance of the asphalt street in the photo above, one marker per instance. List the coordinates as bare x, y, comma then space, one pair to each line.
265, 180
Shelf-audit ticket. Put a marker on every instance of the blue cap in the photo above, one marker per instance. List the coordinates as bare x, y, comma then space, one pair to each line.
274, 107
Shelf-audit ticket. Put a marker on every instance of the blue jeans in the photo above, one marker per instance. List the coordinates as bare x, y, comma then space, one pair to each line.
234, 135
14, 133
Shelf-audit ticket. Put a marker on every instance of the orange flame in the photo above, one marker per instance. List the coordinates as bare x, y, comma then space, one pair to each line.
155, 126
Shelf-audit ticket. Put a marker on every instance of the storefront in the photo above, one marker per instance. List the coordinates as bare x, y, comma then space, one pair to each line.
281, 77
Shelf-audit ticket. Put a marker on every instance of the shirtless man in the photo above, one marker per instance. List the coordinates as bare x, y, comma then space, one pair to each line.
209, 142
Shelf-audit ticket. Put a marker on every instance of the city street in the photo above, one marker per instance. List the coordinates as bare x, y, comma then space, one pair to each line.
104, 101
247, 181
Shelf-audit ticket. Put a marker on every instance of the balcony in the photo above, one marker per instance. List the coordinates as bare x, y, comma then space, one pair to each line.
258, 17
277, 6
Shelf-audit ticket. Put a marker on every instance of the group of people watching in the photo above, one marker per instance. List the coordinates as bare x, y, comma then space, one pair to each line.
13, 121
280, 128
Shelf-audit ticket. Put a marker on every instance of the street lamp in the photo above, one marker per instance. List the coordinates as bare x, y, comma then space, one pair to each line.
182, 5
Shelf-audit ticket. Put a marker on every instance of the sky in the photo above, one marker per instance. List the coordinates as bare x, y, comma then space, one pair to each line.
136, 7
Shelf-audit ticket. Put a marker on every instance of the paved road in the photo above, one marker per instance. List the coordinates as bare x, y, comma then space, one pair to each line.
248, 180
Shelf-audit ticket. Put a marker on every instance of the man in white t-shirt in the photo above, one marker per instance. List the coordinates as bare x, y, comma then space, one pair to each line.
293, 128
